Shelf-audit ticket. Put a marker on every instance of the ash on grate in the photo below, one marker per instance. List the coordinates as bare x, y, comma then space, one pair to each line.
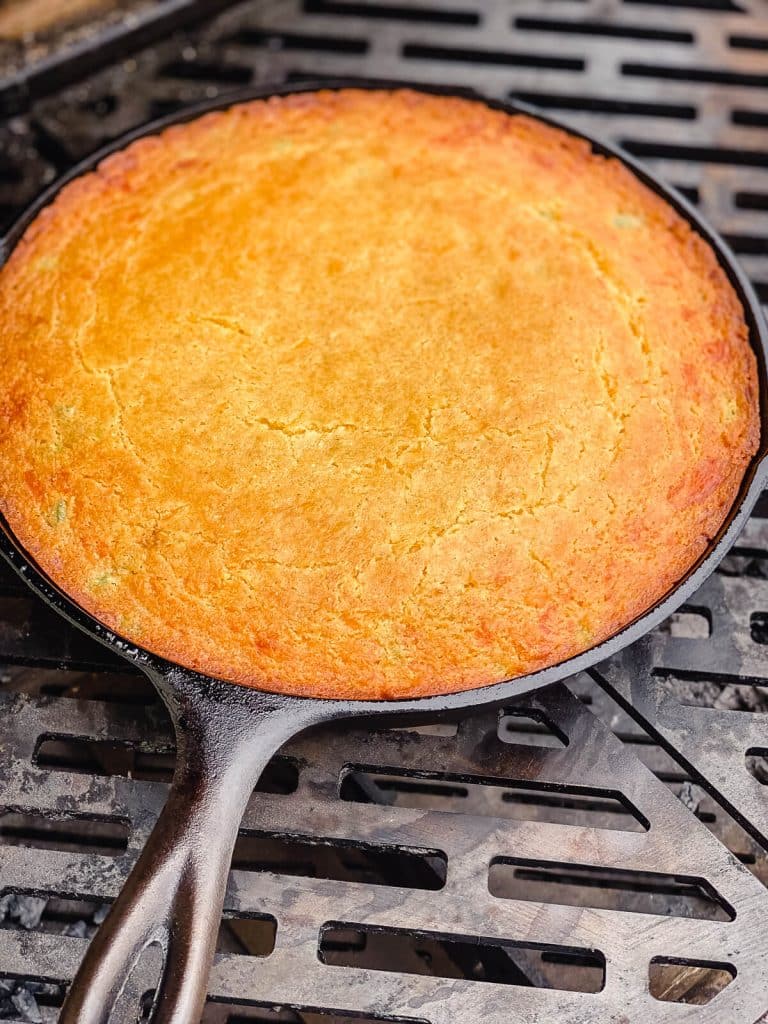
726, 694
22, 1000
26, 911
79, 918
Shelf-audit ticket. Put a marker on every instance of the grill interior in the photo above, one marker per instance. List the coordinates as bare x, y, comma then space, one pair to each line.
597, 846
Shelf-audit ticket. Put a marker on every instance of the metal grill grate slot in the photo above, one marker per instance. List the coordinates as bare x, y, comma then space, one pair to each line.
756, 760
701, 5
478, 959
702, 154
221, 1013
247, 936
599, 808
393, 12
22, 999
718, 693
421, 51
717, 76
339, 861
56, 915
603, 105
105, 757
686, 981
748, 42
528, 726
84, 834
689, 622
597, 28
294, 41
574, 885
232, 74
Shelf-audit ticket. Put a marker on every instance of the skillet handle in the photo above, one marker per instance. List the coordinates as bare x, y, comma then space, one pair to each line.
175, 892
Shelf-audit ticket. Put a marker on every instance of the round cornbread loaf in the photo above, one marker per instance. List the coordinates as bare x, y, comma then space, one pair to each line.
368, 394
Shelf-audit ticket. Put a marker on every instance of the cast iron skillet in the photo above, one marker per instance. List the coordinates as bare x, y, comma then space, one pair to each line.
226, 733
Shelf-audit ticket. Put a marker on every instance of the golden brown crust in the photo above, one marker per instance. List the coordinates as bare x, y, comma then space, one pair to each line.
368, 394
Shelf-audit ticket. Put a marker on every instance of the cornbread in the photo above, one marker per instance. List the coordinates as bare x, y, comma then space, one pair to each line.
368, 394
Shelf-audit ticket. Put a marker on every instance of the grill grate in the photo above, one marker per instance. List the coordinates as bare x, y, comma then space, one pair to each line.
596, 847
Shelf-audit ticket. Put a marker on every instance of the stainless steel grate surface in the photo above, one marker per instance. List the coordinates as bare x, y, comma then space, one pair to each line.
594, 854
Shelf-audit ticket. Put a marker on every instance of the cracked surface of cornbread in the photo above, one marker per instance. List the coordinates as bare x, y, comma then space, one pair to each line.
368, 394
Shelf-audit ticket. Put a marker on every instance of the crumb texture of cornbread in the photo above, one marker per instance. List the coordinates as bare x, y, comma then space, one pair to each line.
368, 394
